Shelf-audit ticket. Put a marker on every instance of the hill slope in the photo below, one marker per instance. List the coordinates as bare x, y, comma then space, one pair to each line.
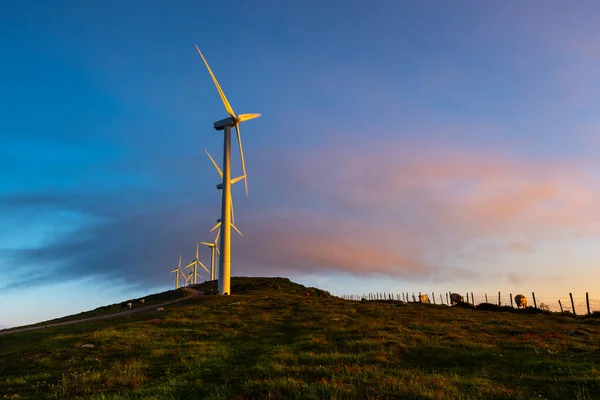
269, 340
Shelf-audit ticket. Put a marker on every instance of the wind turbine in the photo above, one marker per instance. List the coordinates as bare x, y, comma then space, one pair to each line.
226, 125
195, 264
214, 246
178, 271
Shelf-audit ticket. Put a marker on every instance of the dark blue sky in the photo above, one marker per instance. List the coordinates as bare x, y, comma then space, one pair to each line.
436, 143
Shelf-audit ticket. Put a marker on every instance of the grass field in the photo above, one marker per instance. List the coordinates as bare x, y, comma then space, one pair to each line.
269, 341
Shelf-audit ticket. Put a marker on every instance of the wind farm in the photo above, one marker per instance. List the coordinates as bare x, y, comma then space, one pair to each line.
226, 222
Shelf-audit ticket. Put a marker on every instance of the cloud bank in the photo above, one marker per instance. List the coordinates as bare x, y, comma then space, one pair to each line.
403, 211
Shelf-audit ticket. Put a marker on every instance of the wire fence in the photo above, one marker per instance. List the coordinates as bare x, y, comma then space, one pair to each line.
579, 305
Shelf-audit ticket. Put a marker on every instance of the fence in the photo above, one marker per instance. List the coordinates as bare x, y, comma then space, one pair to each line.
580, 305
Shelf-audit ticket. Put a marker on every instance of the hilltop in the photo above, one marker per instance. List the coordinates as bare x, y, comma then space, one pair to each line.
269, 339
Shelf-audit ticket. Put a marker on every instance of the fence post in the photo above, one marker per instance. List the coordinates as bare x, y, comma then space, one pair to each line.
561, 309
486, 298
499, 299
534, 302
511, 303
572, 303
433, 297
441, 299
587, 302
414, 299
467, 297
473, 299
447, 301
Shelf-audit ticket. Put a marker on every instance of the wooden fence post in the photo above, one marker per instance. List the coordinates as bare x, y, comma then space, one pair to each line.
486, 298
447, 301
587, 302
499, 299
561, 309
511, 303
441, 299
467, 297
473, 299
572, 303
534, 302
433, 297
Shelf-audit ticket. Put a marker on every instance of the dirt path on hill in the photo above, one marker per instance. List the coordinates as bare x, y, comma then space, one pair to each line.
191, 293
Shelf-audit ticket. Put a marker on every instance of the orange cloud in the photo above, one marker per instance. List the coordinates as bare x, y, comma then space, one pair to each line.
410, 211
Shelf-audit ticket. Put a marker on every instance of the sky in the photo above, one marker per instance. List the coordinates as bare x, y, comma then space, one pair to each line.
403, 146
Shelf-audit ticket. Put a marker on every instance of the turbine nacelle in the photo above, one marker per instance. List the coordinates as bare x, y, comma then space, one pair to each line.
222, 124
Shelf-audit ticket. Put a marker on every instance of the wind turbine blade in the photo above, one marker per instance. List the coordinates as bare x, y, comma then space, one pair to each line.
207, 244
232, 213
225, 102
197, 251
237, 230
247, 117
239, 178
203, 266
175, 270
190, 264
214, 163
239, 137
215, 227
179, 261
217, 239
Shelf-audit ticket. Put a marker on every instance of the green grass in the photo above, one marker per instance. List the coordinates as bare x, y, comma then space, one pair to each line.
276, 343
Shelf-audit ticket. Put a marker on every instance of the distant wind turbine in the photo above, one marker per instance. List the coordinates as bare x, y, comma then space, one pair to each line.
195, 264
178, 271
214, 247
226, 125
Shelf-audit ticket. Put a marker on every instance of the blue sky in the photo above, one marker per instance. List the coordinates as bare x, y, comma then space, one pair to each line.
404, 146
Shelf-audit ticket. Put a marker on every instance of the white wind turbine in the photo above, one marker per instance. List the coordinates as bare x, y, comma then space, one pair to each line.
226, 125
179, 272
195, 264
214, 247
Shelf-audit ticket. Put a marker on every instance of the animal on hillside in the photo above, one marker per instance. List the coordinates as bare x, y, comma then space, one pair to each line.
306, 294
521, 301
129, 305
142, 301
456, 298
423, 299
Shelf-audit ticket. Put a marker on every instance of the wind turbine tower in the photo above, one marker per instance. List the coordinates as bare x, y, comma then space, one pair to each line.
225, 125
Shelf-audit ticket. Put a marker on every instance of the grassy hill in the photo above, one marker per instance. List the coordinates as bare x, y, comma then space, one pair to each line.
268, 340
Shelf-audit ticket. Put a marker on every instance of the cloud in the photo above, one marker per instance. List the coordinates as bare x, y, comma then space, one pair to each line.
404, 211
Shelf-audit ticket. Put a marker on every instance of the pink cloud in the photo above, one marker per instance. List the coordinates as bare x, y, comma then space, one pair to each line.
402, 210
